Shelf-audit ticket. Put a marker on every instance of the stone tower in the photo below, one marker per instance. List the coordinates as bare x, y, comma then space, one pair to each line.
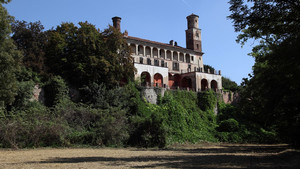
117, 22
193, 33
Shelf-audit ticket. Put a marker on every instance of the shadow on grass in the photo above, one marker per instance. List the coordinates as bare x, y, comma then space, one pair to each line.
224, 157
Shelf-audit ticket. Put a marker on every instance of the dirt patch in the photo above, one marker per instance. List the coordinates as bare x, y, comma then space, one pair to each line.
176, 156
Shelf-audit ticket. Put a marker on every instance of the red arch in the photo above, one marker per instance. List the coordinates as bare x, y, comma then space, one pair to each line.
158, 80
171, 80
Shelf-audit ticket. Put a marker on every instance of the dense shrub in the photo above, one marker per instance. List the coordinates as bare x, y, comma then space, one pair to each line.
230, 125
56, 90
185, 120
176, 119
33, 127
207, 100
94, 126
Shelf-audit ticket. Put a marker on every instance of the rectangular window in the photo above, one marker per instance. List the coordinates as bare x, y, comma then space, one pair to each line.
162, 63
189, 68
156, 62
176, 66
141, 60
148, 61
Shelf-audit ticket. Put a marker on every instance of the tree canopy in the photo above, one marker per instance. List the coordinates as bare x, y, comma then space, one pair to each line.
229, 84
31, 40
84, 55
271, 96
9, 60
268, 20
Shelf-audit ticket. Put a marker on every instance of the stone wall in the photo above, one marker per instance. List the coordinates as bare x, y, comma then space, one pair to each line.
151, 93
230, 97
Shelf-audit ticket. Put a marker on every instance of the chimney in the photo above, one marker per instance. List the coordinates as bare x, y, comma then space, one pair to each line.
117, 22
172, 42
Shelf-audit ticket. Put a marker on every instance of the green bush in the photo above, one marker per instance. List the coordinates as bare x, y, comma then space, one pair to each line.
207, 100
88, 125
230, 125
226, 111
33, 127
56, 90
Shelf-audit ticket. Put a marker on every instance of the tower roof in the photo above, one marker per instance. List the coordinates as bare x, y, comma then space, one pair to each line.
192, 16
116, 17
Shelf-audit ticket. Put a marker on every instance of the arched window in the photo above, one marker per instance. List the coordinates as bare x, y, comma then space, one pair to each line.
175, 56
141, 50
158, 80
186, 83
204, 85
155, 52
162, 53
181, 57
177, 79
148, 51
168, 54
214, 85
133, 49
145, 79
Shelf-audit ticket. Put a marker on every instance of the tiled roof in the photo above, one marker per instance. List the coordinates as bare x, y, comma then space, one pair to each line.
163, 44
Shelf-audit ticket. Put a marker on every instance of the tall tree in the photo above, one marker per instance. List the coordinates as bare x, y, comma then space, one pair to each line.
9, 60
84, 55
271, 96
31, 40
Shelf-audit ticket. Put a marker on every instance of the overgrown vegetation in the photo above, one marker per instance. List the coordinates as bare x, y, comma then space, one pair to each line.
81, 70
128, 120
270, 97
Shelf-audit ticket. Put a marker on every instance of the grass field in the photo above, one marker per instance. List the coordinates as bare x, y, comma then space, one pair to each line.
175, 156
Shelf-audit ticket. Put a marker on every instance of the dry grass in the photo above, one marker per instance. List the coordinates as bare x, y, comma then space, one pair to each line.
176, 156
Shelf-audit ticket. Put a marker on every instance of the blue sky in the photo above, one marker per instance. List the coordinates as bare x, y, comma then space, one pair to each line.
156, 20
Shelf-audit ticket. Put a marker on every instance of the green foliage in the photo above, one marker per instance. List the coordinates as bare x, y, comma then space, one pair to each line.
270, 98
31, 40
26, 79
93, 126
32, 127
56, 91
277, 19
9, 60
229, 125
146, 129
226, 111
229, 84
211, 69
176, 119
184, 119
84, 56
207, 100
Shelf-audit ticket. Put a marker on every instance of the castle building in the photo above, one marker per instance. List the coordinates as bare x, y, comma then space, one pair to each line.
169, 65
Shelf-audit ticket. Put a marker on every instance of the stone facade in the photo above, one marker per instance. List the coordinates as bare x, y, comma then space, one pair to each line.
171, 66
